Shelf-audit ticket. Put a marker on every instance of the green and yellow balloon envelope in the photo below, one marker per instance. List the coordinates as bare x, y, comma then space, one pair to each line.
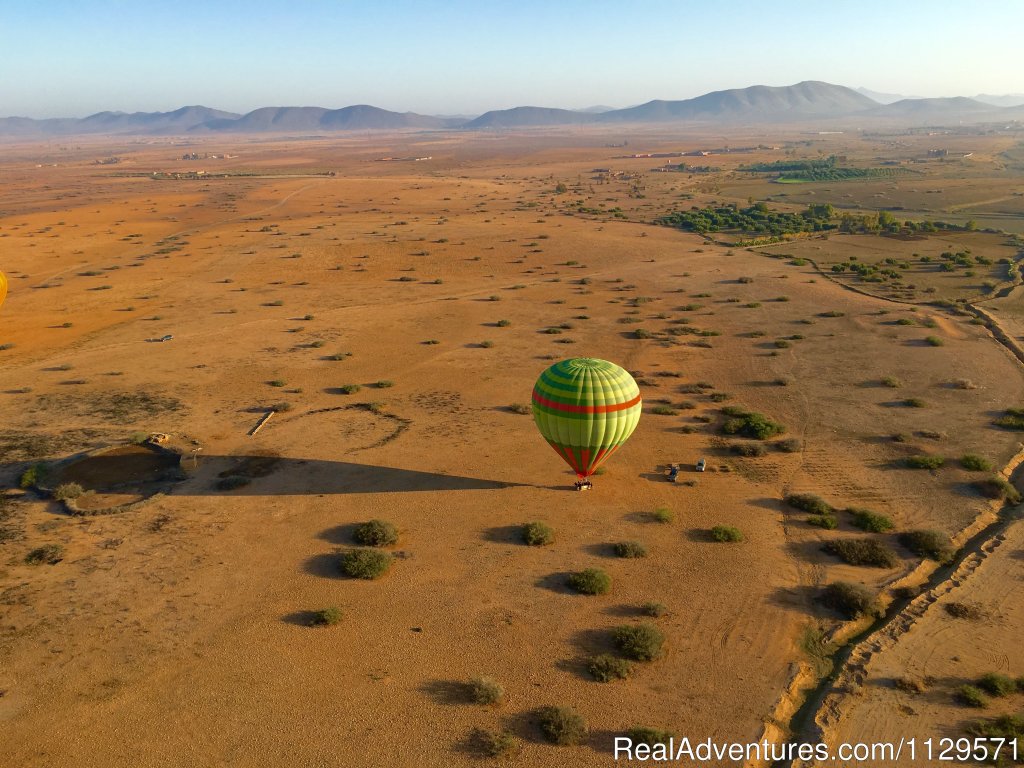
586, 408
3, 288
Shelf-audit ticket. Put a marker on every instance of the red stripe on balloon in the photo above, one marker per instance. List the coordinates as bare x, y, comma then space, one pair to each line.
566, 408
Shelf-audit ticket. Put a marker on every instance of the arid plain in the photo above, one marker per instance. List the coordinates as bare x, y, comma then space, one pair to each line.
396, 313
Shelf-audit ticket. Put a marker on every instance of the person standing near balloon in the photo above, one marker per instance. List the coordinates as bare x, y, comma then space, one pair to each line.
586, 408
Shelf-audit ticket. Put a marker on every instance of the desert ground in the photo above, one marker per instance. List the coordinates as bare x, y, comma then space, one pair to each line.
393, 314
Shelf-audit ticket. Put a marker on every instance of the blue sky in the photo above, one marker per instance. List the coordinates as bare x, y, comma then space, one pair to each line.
68, 58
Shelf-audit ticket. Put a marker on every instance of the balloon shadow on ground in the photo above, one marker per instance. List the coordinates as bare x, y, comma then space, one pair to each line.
299, 477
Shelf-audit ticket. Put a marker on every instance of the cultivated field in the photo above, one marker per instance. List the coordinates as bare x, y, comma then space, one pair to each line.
394, 315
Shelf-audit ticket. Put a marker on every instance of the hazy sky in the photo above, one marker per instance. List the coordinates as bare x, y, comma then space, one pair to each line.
75, 57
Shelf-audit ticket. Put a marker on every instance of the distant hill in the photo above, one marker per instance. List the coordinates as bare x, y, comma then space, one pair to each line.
810, 98
951, 108
883, 98
360, 117
531, 116
1006, 100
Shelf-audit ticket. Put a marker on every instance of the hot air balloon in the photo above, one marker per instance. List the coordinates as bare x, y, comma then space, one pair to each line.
586, 408
3, 288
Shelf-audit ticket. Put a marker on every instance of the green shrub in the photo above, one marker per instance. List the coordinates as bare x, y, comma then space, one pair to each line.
349, 389
809, 502
934, 545
750, 424
384, 384
495, 743
630, 549
365, 563
1008, 727
749, 450
277, 382
934, 341
66, 491
325, 617
998, 487
503, 323
869, 552
605, 668
375, 533
521, 408
50, 554
789, 445
654, 610
891, 382
970, 696
486, 344
664, 410
1013, 418
915, 402
924, 462
828, 522
32, 476
592, 581
726, 533
782, 344
562, 725
649, 736
663, 515
995, 684
972, 462
869, 521
850, 600
538, 534
640, 642
484, 690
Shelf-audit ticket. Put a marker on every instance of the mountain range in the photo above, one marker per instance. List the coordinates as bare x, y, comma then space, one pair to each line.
809, 100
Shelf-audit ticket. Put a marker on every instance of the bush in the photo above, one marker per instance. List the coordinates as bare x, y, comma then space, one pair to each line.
495, 743
654, 610
970, 696
484, 690
1012, 419
850, 600
630, 549
663, 515
891, 382
349, 389
664, 410
503, 323
869, 552
486, 344
998, 487
934, 341
789, 445
809, 502
375, 533
32, 476
934, 545
924, 462
828, 522
1008, 727
640, 642
325, 617
915, 402
277, 382
605, 668
750, 424
649, 736
538, 534
562, 725
365, 563
67, 491
748, 449
592, 581
50, 554
726, 533
995, 684
869, 521
521, 408
972, 462
384, 384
